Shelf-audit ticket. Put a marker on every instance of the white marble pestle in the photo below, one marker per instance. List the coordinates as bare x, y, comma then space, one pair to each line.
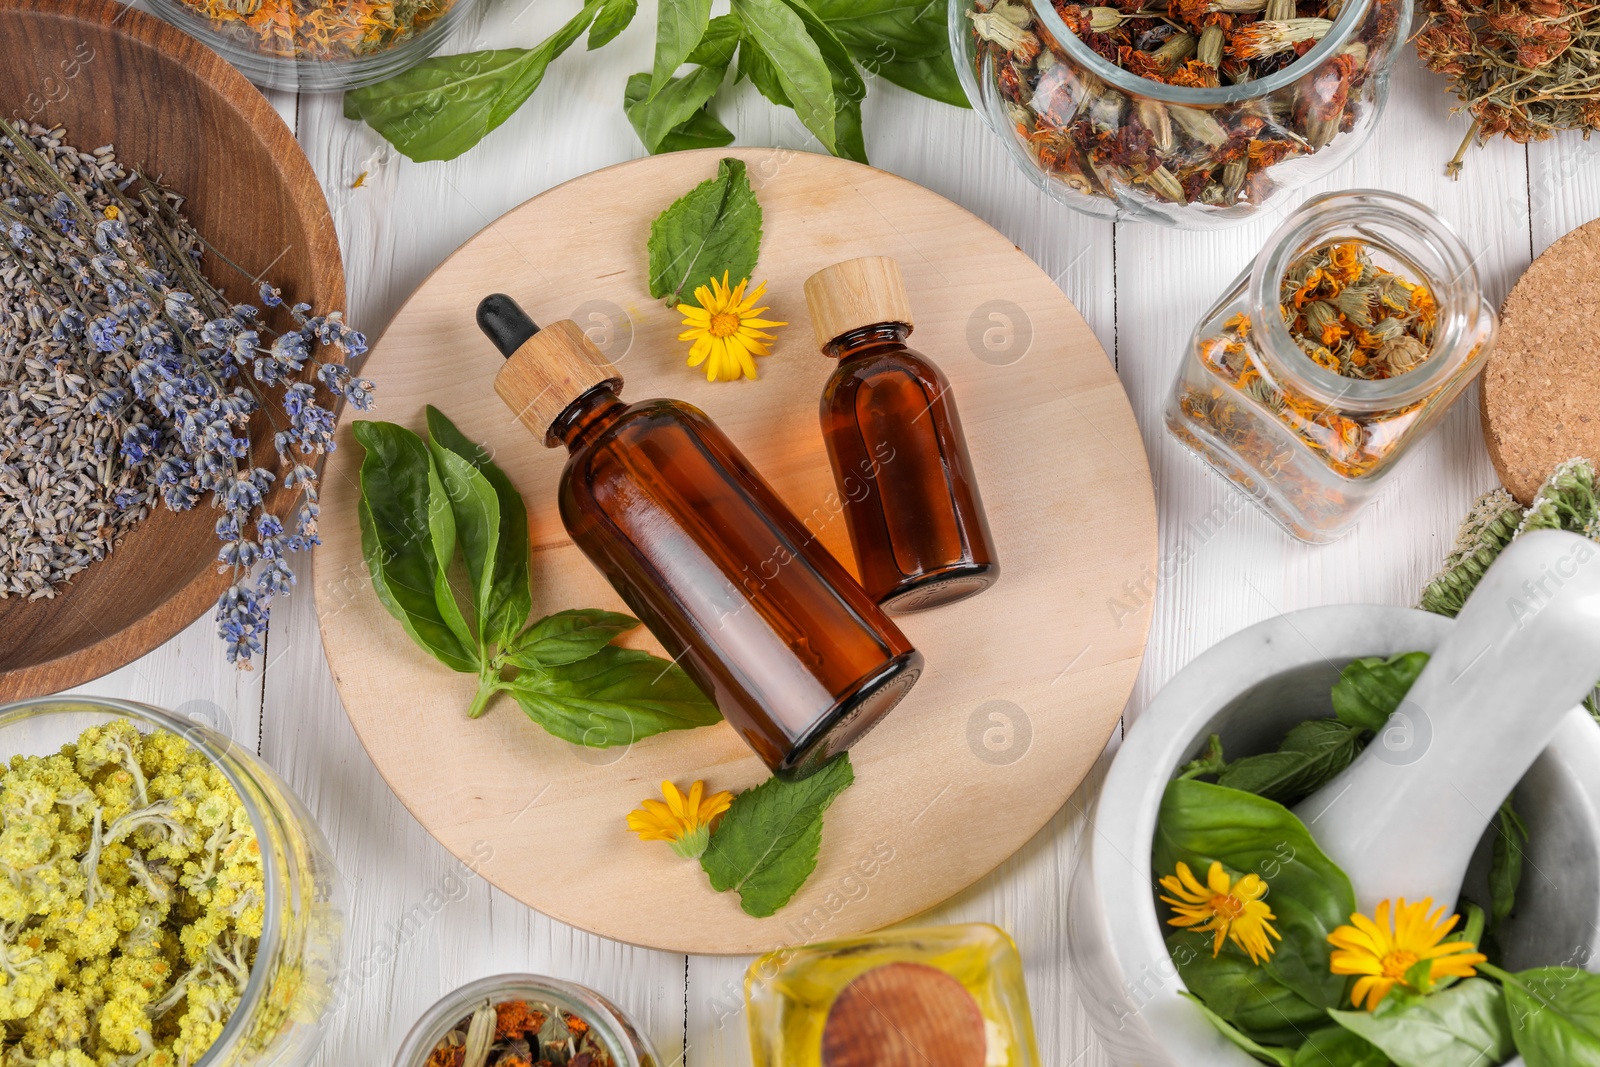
1404, 818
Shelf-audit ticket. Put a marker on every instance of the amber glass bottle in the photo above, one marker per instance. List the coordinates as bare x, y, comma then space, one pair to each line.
900, 461
796, 655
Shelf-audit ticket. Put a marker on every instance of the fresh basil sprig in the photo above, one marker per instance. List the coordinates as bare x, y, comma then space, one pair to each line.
806, 55
438, 513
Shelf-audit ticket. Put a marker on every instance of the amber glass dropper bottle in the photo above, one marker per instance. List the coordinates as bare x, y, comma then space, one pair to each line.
799, 659
900, 461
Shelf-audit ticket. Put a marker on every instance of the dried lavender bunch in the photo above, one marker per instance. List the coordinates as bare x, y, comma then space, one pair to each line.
1522, 68
157, 377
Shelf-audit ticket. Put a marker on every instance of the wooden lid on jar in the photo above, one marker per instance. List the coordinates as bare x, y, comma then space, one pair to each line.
856, 293
550, 370
905, 1015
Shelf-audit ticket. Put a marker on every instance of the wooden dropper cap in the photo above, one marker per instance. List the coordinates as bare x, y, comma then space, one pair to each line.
546, 370
856, 293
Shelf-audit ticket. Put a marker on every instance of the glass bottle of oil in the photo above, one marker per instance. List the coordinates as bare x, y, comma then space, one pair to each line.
948, 996
900, 462
798, 658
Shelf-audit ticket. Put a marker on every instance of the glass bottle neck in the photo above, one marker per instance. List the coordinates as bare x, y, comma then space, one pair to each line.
586, 417
867, 337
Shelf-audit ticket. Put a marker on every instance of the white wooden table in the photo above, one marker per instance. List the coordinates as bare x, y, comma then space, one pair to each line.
419, 924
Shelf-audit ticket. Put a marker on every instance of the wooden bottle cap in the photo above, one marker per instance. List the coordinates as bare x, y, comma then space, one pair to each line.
904, 1015
553, 368
856, 293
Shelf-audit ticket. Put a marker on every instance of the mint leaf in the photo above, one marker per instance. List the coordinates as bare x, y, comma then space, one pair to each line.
614, 17
614, 697
1307, 759
781, 34
568, 636
679, 26
444, 105
654, 120
766, 845
714, 228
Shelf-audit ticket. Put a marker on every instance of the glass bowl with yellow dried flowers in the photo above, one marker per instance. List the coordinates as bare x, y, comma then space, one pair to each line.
319, 45
1344, 343
519, 1020
165, 900
1188, 113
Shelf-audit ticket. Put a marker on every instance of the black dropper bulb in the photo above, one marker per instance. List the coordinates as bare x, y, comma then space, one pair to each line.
505, 323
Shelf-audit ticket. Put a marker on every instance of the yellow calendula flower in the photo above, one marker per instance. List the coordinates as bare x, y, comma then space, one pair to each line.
685, 821
727, 330
1382, 952
1229, 908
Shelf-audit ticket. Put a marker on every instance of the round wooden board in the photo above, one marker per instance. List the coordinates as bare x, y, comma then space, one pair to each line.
1024, 683
1541, 387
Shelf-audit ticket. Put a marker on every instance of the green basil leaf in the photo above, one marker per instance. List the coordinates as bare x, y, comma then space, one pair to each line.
1334, 1046
1200, 823
931, 76
397, 540
615, 697
568, 636
703, 130
773, 26
1309, 756
472, 501
754, 65
766, 845
714, 228
654, 120
848, 85
1505, 865
679, 27
1463, 1026
444, 105
511, 596
1555, 1015
882, 30
1369, 690
614, 17
442, 528
719, 43
1239, 992
1281, 1056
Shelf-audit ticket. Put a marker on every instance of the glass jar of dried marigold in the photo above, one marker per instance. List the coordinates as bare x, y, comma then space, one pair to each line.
1357, 326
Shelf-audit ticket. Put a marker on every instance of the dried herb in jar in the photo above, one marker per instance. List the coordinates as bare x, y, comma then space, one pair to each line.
322, 29
1521, 70
517, 1033
1102, 141
1348, 315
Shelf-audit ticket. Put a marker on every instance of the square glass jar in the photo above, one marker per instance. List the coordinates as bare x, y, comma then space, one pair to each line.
799, 1000
1309, 445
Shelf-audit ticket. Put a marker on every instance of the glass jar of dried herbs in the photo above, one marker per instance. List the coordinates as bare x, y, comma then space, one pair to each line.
1190, 113
524, 1020
1324, 363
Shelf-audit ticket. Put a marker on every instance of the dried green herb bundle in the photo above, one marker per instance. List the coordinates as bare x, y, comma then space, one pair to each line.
1522, 69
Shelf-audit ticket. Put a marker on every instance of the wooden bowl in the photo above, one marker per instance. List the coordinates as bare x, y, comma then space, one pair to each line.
111, 75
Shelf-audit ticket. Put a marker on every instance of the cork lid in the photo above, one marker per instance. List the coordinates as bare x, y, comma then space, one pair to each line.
545, 370
1541, 384
856, 293
904, 1015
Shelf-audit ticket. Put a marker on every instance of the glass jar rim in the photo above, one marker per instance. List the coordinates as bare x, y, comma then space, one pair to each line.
582, 1001
1458, 296
197, 736
1336, 38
